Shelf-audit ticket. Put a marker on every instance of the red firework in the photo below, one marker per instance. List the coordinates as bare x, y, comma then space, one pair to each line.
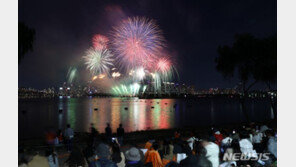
164, 65
100, 42
137, 42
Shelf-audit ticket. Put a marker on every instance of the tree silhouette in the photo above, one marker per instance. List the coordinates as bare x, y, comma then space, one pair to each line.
26, 38
252, 58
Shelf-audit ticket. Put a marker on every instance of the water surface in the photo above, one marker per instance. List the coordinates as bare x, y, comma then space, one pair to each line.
135, 114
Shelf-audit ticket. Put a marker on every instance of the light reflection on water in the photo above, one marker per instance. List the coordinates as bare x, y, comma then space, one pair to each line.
135, 114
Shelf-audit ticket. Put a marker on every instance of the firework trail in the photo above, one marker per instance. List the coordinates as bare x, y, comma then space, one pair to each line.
136, 42
72, 74
100, 42
98, 61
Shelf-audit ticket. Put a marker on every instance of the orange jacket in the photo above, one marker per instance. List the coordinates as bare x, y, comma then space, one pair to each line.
154, 157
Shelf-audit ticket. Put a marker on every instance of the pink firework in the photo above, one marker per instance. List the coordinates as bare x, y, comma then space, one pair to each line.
100, 42
164, 65
137, 41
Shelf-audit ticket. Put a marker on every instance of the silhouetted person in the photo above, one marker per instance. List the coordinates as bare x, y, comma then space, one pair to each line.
93, 133
69, 135
120, 134
108, 131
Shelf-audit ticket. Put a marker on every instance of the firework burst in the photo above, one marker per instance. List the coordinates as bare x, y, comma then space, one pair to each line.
137, 41
165, 68
100, 42
98, 61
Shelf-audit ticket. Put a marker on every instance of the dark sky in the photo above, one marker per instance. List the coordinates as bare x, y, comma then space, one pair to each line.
194, 29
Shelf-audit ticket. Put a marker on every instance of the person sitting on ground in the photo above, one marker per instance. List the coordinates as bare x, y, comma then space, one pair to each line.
191, 140
133, 158
88, 153
234, 149
76, 158
190, 160
212, 151
177, 134
50, 136
117, 156
226, 141
52, 158
201, 153
60, 136
149, 143
168, 154
246, 145
218, 137
272, 143
177, 143
103, 151
198, 160
120, 134
152, 156
257, 140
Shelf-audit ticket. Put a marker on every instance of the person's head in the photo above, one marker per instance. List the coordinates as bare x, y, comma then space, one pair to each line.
235, 145
133, 154
244, 134
269, 132
155, 145
200, 150
205, 139
120, 125
103, 151
203, 162
108, 124
68, 126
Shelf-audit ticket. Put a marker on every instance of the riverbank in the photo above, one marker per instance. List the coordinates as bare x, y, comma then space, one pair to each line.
138, 137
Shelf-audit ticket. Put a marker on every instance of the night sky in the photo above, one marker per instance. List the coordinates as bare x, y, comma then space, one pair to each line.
194, 30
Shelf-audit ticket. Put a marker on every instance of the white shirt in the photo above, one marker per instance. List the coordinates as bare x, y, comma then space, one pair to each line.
246, 148
213, 153
190, 142
257, 138
272, 146
226, 141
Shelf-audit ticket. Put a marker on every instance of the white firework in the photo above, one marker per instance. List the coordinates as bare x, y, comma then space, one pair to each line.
98, 61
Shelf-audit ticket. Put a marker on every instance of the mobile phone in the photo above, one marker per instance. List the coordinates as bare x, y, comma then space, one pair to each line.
261, 162
233, 132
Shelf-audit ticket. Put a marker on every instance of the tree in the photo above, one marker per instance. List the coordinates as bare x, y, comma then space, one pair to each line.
252, 58
26, 38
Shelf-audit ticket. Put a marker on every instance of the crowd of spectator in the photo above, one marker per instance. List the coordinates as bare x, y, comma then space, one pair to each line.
250, 145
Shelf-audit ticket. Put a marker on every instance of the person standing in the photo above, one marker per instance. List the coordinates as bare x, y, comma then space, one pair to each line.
120, 134
69, 135
108, 132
